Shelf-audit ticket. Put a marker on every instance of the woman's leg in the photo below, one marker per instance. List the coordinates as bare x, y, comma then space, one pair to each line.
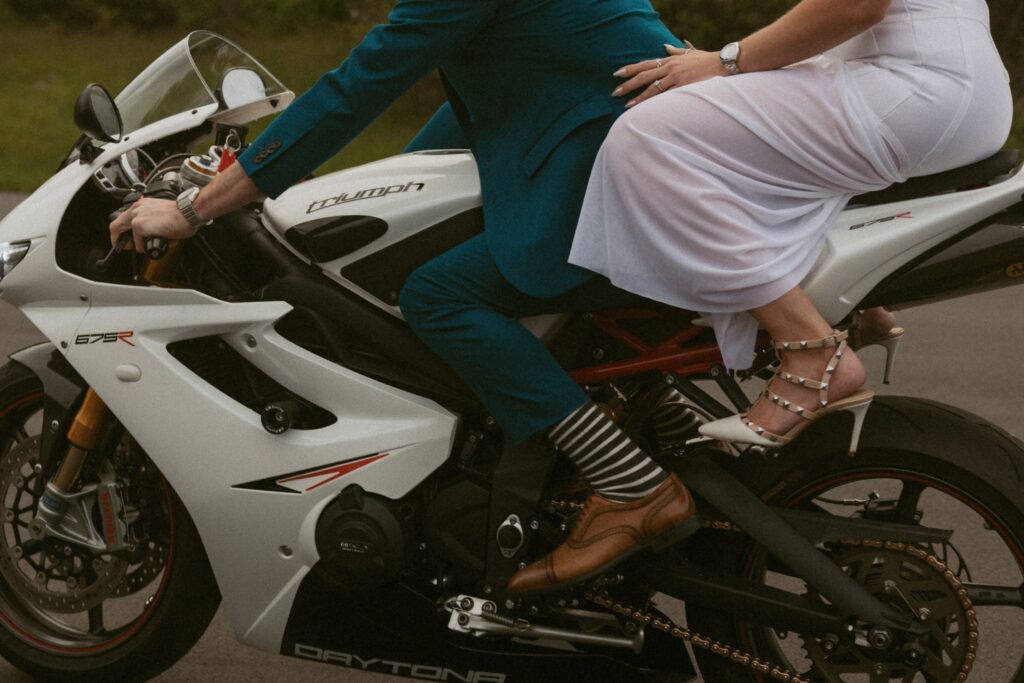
792, 317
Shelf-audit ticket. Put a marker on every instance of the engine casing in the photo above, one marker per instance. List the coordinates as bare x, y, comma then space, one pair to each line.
363, 540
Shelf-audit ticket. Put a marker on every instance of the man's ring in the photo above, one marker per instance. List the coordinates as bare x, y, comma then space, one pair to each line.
657, 84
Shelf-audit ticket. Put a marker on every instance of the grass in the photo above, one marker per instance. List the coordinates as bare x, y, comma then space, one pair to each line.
44, 69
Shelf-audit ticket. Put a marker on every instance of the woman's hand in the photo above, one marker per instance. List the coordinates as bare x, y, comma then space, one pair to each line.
151, 218
683, 66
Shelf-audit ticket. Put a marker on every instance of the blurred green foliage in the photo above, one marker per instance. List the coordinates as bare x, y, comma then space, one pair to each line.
45, 68
161, 14
53, 48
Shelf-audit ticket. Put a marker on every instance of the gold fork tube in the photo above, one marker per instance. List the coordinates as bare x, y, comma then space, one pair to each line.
156, 272
84, 435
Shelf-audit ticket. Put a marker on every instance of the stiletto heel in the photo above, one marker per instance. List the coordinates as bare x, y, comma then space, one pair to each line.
741, 429
859, 412
890, 344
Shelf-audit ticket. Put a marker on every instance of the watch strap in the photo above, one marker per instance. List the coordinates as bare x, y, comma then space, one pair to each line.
729, 57
188, 210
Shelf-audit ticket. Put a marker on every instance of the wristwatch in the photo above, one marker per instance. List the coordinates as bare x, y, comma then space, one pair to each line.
187, 210
730, 56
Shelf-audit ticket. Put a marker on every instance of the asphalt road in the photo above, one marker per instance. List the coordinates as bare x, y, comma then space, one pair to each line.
966, 352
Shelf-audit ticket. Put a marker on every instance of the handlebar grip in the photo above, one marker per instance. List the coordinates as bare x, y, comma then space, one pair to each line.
156, 247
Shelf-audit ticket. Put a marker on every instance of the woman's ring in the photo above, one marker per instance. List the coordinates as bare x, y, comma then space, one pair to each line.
657, 84
658, 63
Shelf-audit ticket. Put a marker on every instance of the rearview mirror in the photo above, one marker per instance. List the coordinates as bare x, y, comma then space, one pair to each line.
239, 87
96, 115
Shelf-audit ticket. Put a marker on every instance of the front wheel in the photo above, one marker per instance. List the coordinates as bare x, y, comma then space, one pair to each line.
69, 611
968, 479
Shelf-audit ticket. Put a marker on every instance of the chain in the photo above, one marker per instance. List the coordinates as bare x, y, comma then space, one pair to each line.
745, 659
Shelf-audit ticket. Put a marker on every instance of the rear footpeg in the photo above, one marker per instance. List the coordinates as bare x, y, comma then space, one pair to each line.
480, 618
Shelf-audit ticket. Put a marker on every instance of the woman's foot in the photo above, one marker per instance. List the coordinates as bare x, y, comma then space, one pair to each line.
847, 378
608, 532
794, 398
873, 326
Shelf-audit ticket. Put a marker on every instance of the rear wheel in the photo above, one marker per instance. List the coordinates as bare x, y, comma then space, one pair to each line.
978, 495
69, 610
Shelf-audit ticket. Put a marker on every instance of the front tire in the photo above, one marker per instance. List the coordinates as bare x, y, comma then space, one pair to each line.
958, 470
175, 605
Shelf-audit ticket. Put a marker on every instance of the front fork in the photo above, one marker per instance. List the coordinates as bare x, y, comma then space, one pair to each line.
67, 511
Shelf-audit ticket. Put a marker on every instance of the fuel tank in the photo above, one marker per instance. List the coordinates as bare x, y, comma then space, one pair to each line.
369, 227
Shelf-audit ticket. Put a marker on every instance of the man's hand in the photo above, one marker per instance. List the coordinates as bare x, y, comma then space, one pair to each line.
151, 218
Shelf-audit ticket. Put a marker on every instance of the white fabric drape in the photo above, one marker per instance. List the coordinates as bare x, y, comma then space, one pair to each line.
716, 197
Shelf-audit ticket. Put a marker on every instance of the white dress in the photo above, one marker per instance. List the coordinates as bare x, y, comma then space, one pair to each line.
716, 197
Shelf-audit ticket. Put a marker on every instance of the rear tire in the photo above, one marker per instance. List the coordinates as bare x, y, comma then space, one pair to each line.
946, 451
174, 617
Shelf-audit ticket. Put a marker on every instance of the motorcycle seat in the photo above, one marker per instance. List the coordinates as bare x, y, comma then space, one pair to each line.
966, 177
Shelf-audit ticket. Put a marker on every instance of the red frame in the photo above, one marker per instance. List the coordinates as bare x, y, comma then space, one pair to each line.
676, 353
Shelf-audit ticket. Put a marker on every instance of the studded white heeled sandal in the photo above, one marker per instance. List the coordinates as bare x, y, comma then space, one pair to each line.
740, 429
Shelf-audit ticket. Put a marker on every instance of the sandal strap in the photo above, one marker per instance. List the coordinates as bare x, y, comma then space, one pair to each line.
805, 413
759, 430
801, 381
833, 340
829, 369
836, 340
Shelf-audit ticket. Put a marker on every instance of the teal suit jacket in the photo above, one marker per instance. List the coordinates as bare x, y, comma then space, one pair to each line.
530, 84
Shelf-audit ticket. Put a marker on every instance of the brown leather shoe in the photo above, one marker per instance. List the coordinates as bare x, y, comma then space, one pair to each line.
607, 532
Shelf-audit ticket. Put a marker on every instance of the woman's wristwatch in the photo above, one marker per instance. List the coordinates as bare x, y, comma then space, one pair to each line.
187, 210
730, 56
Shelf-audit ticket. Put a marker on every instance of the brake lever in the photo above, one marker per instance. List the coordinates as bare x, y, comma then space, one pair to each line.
132, 196
103, 265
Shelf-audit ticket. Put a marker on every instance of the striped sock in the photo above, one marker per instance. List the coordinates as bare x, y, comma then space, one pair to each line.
614, 466
672, 420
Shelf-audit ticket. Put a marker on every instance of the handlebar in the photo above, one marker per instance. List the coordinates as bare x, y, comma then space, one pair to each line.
156, 247
168, 186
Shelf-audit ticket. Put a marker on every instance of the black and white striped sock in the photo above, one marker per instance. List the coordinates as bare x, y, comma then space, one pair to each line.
609, 460
673, 420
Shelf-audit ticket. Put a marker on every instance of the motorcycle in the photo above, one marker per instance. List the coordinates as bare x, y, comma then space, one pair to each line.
244, 418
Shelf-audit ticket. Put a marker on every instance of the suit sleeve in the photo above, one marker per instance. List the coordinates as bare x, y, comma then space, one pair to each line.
392, 57
441, 132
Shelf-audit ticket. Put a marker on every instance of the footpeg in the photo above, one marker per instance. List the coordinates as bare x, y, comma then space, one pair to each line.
480, 618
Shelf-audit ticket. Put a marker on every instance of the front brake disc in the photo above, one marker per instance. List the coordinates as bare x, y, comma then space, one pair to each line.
51, 574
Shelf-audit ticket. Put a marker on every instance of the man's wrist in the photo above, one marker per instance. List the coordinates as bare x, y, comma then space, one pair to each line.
186, 207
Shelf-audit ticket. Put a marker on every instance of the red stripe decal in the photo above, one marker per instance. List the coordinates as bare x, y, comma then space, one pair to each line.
334, 473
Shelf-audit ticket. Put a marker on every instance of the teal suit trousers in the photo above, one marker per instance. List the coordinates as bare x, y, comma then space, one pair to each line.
464, 309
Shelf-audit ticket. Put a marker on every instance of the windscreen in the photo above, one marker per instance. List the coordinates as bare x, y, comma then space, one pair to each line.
186, 77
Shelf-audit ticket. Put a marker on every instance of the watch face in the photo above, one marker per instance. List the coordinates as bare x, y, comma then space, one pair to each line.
730, 52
